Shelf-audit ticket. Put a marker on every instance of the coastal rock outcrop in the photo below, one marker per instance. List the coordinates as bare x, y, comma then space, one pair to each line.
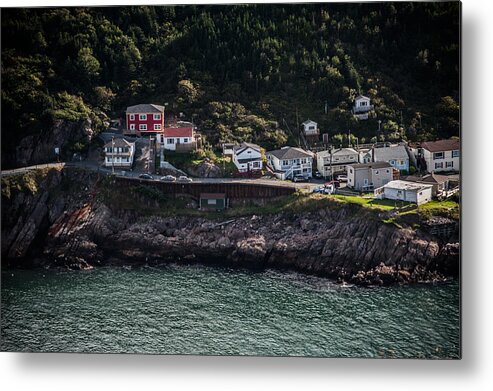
80, 230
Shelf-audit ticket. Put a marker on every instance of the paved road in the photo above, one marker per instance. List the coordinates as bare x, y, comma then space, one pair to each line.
93, 166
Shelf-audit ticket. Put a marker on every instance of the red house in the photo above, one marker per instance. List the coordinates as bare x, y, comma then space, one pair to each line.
145, 119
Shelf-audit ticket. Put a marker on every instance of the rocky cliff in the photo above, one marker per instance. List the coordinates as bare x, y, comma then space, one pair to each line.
65, 221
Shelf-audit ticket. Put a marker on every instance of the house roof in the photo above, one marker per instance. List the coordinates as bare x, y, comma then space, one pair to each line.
441, 145
429, 178
145, 108
243, 146
373, 165
337, 152
309, 121
212, 196
118, 142
405, 185
390, 153
290, 153
178, 132
359, 97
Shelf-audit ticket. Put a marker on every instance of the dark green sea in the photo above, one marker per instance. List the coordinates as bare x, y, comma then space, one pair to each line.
203, 310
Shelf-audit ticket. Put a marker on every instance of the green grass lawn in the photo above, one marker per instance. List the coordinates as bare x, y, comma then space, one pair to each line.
371, 202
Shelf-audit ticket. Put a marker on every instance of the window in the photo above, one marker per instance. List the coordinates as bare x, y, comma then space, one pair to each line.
392, 162
420, 193
132, 126
449, 164
249, 151
211, 202
157, 116
142, 117
311, 128
142, 127
401, 162
455, 153
438, 165
438, 155
388, 171
376, 172
185, 140
303, 161
170, 141
132, 117
157, 126
256, 164
285, 163
350, 170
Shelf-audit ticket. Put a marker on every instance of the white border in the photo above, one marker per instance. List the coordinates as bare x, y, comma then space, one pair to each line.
473, 372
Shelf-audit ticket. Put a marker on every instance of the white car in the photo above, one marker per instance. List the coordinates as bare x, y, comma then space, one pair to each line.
168, 178
184, 178
342, 178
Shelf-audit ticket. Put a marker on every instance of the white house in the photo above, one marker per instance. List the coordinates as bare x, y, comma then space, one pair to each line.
228, 149
335, 160
290, 161
119, 153
417, 193
441, 155
395, 155
365, 155
361, 107
177, 139
247, 157
310, 128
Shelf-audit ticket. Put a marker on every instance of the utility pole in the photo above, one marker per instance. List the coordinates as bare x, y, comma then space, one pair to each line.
113, 155
298, 127
326, 107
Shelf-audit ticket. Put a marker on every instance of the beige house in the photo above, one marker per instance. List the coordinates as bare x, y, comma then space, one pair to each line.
368, 176
334, 161
441, 155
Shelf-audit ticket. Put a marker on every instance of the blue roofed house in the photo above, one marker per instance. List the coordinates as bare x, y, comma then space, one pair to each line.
395, 155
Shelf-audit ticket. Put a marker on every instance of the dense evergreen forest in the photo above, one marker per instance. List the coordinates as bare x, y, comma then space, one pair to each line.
245, 72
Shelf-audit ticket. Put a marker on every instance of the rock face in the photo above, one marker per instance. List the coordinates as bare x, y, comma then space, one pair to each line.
206, 169
40, 148
345, 242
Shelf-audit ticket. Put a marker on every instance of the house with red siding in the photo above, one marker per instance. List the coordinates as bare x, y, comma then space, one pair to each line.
182, 139
145, 119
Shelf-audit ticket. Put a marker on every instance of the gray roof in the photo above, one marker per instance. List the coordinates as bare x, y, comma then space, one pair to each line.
118, 143
240, 148
361, 97
405, 185
289, 153
397, 152
429, 178
308, 121
370, 165
145, 108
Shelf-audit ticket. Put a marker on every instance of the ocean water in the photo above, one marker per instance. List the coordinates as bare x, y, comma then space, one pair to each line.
195, 309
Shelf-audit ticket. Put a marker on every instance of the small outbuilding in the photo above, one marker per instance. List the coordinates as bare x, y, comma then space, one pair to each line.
213, 201
417, 193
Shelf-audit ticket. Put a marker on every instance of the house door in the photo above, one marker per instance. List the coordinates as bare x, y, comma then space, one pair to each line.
365, 182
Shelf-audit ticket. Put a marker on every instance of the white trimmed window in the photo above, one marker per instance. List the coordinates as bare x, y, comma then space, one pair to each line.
185, 140
449, 164
438, 155
157, 126
132, 126
157, 116
132, 117
142, 127
438, 165
170, 141
142, 117
455, 153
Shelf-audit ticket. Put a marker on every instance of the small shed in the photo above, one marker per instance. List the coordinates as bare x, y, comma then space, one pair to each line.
310, 128
213, 201
228, 149
405, 191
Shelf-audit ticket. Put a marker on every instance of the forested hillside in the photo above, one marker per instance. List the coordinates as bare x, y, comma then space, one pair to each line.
244, 72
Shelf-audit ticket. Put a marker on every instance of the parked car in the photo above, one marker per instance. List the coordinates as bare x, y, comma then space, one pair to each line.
336, 184
342, 178
318, 175
184, 178
300, 178
168, 178
146, 176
